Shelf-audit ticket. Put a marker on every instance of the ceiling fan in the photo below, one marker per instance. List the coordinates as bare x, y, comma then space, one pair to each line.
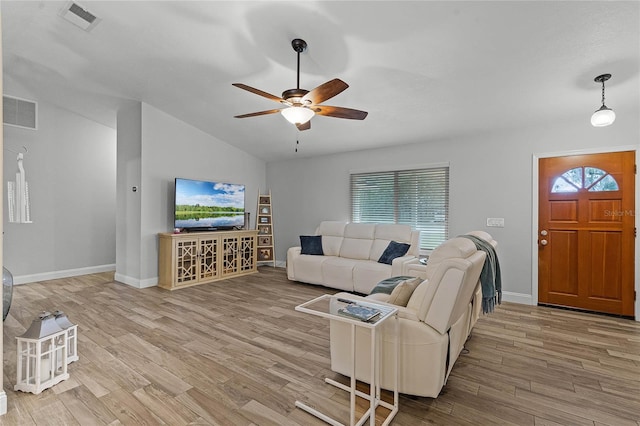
303, 104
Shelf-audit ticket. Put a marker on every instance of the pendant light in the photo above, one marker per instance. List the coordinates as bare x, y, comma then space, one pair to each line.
603, 116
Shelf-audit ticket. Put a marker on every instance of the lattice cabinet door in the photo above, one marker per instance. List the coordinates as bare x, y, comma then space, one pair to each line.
247, 253
208, 257
186, 269
230, 255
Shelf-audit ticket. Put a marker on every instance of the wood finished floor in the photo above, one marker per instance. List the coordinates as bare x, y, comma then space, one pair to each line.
236, 353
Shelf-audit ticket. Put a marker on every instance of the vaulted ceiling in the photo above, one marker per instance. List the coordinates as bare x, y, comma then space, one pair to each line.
424, 70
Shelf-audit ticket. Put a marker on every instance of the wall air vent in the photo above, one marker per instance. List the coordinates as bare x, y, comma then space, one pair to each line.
20, 112
79, 16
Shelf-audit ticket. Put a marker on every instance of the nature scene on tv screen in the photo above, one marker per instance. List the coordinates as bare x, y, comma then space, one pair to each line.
208, 204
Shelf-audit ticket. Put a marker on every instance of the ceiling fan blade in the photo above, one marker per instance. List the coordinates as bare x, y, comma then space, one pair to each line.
339, 112
255, 114
259, 92
304, 126
325, 91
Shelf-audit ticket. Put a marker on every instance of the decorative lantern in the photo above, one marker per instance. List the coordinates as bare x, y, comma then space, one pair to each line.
42, 355
72, 335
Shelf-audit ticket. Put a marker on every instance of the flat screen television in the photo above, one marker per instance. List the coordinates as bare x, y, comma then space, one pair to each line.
208, 206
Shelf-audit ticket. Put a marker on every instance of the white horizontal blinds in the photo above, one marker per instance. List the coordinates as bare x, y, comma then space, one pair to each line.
423, 203
419, 198
373, 197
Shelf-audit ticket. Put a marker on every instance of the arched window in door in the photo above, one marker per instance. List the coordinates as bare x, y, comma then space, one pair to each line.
584, 178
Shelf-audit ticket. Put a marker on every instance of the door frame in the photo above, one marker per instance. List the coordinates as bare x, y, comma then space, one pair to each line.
534, 214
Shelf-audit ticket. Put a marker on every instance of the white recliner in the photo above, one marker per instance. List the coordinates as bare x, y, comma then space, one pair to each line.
433, 327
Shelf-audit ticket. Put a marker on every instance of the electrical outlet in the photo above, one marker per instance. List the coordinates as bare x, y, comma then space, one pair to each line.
495, 222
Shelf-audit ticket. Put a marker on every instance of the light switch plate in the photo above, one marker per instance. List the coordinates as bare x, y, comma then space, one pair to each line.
495, 222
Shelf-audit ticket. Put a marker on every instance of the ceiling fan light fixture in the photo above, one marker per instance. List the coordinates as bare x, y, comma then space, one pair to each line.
604, 116
297, 114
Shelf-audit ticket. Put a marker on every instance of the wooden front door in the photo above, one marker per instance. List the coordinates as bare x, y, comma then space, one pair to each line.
586, 232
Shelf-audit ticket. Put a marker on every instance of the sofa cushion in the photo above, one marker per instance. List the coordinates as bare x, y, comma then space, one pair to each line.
403, 291
337, 272
377, 248
308, 269
332, 233
311, 244
354, 248
385, 233
366, 231
393, 250
366, 274
358, 238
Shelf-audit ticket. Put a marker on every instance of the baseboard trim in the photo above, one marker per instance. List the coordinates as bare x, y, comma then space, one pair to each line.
521, 298
66, 273
3, 403
135, 282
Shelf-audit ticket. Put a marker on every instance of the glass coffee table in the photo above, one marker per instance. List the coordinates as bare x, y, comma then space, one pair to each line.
367, 315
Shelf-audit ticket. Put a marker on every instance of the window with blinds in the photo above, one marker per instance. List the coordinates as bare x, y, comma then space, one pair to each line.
419, 198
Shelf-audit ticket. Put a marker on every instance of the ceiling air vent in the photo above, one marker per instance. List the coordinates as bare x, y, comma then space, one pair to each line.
79, 16
20, 112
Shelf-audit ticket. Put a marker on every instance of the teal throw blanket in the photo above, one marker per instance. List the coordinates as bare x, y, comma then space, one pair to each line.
387, 286
490, 277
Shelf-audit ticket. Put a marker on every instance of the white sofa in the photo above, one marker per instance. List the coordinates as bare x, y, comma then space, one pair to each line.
351, 253
433, 326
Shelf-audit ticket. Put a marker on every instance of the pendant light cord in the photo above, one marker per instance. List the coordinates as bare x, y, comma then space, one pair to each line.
603, 92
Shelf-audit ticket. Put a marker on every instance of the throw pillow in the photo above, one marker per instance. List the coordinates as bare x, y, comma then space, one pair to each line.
402, 293
393, 250
311, 244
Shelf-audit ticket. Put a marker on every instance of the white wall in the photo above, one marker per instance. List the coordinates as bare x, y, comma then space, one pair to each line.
171, 148
490, 176
70, 167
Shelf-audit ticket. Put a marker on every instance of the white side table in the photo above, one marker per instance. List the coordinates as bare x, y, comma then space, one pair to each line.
327, 306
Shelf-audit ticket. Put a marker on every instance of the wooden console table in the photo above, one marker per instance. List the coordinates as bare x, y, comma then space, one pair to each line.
189, 259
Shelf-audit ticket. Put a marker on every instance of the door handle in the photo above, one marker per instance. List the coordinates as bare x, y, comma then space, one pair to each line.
544, 242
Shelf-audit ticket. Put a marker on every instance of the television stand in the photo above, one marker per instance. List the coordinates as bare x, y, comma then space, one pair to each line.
194, 258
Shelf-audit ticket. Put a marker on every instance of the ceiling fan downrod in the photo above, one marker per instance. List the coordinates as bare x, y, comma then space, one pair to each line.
299, 46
